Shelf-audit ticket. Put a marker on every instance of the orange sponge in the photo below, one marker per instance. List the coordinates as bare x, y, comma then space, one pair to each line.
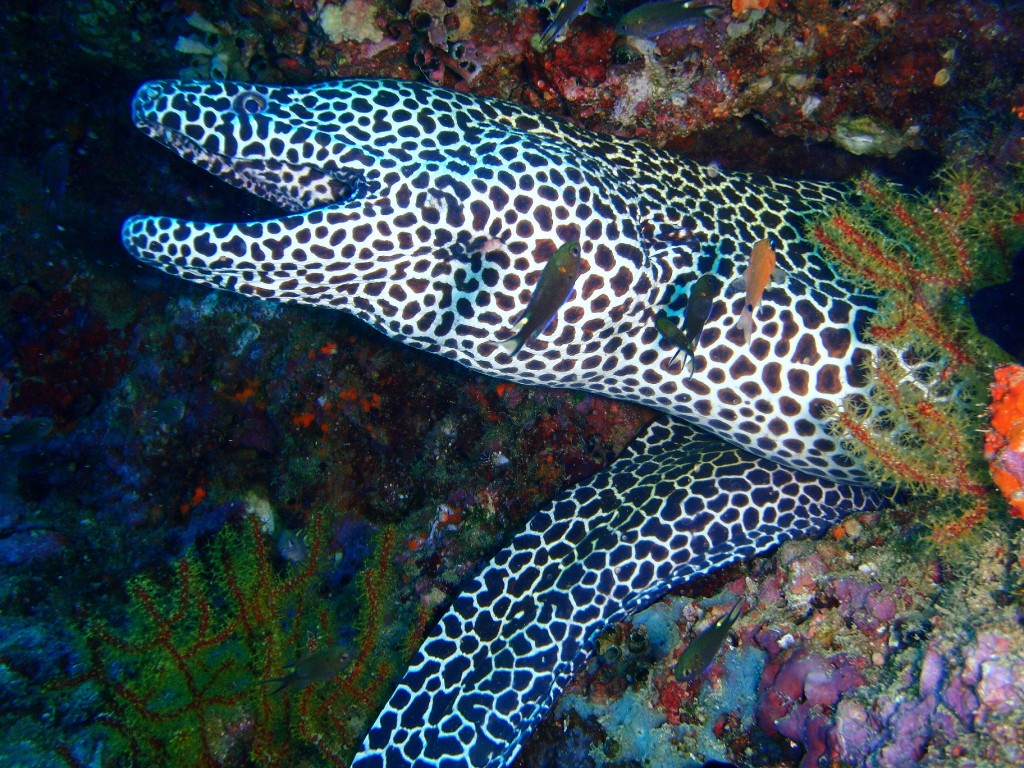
1004, 442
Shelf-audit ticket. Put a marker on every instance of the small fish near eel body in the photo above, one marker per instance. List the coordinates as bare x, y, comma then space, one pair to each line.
740, 460
696, 658
758, 274
699, 306
560, 273
648, 20
698, 310
674, 335
655, 19
565, 12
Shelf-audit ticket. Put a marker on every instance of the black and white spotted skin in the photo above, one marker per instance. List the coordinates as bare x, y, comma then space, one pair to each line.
677, 504
430, 214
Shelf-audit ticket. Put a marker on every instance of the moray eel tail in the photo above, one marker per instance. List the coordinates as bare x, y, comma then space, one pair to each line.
678, 504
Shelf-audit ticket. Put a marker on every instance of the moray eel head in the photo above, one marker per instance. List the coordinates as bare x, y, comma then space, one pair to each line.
259, 138
426, 213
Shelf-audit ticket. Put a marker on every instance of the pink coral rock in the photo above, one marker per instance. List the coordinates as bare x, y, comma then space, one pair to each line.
798, 695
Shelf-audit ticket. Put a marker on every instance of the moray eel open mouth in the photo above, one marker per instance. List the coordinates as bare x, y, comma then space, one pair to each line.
293, 187
273, 169
430, 215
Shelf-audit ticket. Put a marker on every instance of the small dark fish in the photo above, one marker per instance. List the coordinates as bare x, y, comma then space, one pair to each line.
698, 310
698, 307
313, 667
698, 655
26, 432
674, 336
53, 177
556, 282
565, 12
655, 19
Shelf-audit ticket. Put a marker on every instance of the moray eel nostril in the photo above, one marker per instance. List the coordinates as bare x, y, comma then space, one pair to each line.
430, 215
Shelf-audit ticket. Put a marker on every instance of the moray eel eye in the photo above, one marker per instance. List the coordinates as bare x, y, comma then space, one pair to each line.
249, 103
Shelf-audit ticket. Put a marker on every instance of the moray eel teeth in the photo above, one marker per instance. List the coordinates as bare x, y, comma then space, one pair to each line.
429, 215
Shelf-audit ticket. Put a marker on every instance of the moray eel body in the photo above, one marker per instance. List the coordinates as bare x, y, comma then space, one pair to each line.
425, 213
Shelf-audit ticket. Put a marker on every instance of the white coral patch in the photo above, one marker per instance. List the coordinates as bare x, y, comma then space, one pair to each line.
355, 21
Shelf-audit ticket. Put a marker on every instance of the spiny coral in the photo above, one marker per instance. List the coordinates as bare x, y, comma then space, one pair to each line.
924, 256
184, 680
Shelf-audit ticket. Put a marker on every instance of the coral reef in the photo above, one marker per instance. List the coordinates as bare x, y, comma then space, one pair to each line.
923, 257
876, 76
853, 651
142, 422
217, 53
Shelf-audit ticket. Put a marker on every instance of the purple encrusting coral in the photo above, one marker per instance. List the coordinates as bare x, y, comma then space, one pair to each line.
968, 708
171, 413
796, 693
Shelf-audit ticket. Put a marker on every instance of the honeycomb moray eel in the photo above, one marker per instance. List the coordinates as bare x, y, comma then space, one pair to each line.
429, 215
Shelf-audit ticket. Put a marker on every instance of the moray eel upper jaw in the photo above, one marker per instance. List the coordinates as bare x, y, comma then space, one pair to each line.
258, 144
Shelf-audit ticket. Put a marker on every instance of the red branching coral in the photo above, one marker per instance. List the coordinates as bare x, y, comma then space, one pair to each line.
923, 256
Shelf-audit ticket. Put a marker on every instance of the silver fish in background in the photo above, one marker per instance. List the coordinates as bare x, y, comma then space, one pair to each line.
565, 12
655, 19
